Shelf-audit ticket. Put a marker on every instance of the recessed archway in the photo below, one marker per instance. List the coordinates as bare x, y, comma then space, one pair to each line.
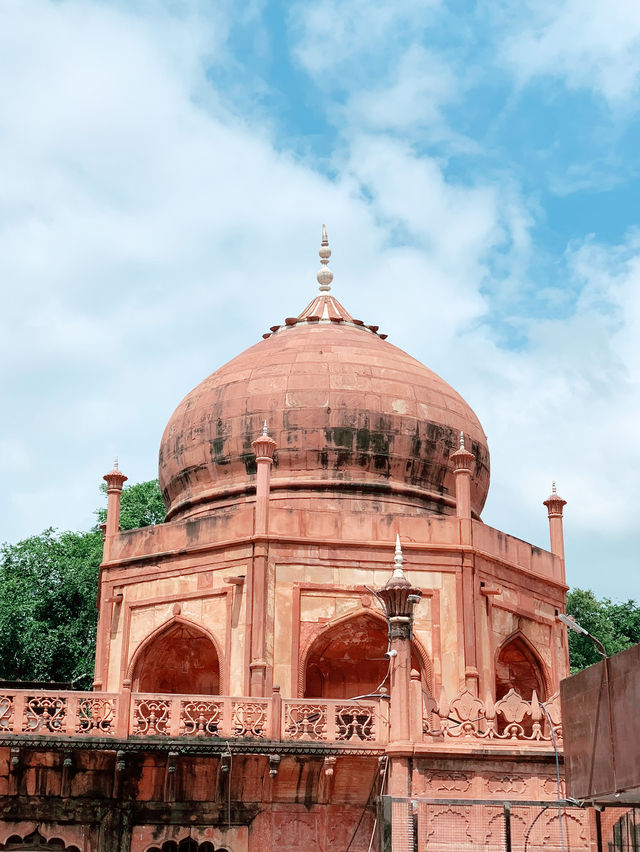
348, 659
188, 844
35, 841
519, 667
179, 659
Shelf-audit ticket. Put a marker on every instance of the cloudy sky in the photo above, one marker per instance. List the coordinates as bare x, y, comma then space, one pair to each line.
164, 171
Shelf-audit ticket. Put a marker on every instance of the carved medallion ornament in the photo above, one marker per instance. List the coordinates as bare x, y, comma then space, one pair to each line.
507, 784
449, 782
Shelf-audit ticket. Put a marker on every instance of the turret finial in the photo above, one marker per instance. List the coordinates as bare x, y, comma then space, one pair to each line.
462, 440
115, 463
265, 431
398, 560
554, 489
325, 275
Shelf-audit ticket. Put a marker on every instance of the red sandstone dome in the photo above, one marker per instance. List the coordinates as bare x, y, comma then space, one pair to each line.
351, 414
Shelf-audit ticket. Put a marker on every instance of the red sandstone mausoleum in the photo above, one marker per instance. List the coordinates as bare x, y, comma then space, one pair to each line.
323, 647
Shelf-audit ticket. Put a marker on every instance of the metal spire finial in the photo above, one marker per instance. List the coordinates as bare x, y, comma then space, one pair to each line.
115, 463
325, 275
265, 431
462, 440
554, 490
398, 560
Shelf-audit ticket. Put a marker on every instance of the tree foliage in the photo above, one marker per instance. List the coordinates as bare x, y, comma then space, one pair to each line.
48, 589
141, 505
616, 625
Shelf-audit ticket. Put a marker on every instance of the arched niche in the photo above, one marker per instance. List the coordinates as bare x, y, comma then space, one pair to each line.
519, 667
187, 844
348, 659
178, 658
35, 840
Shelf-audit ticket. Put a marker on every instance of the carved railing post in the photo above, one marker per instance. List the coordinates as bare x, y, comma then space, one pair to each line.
276, 714
124, 710
417, 706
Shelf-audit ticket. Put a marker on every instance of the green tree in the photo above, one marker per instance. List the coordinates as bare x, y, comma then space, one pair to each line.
48, 588
616, 625
141, 505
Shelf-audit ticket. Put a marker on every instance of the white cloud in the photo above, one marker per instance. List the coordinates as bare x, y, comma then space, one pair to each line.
419, 85
567, 407
148, 233
589, 43
362, 34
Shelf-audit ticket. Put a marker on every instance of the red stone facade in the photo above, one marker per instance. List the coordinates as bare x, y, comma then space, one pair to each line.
245, 696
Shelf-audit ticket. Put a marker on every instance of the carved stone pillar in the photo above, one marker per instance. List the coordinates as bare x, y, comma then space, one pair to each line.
399, 598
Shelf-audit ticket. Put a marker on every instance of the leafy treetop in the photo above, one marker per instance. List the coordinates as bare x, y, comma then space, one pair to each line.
48, 589
616, 625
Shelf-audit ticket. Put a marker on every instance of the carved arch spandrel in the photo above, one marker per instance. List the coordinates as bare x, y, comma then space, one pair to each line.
168, 625
426, 666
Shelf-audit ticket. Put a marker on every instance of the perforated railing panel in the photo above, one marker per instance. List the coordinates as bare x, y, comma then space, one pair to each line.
461, 828
402, 827
550, 829
456, 825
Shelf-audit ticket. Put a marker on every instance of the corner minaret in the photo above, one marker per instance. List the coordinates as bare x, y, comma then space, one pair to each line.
555, 504
462, 467
264, 447
115, 479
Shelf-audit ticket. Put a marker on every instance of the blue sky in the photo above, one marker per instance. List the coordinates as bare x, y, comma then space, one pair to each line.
166, 167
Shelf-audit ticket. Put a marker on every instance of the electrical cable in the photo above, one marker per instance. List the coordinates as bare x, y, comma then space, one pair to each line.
381, 793
364, 810
537, 817
552, 731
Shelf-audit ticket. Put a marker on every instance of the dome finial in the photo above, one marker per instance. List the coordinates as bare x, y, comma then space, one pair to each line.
325, 275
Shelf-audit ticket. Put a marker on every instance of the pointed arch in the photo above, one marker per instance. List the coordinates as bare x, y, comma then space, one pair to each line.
179, 656
347, 658
35, 840
518, 666
187, 844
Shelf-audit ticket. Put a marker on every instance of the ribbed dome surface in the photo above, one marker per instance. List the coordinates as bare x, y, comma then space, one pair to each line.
345, 407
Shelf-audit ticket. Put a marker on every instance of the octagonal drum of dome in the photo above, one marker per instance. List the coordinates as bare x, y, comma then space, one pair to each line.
347, 409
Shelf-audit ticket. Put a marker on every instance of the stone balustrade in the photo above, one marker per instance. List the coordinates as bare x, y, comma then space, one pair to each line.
363, 723
510, 718
40, 712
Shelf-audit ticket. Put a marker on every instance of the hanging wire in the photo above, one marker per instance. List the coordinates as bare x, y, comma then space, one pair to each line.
366, 805
381, 793
552, 731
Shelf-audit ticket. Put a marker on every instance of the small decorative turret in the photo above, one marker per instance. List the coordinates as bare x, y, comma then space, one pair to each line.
115, 479
264, 446
555, 504
463, 461
399, 598
462, 458
325, 275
